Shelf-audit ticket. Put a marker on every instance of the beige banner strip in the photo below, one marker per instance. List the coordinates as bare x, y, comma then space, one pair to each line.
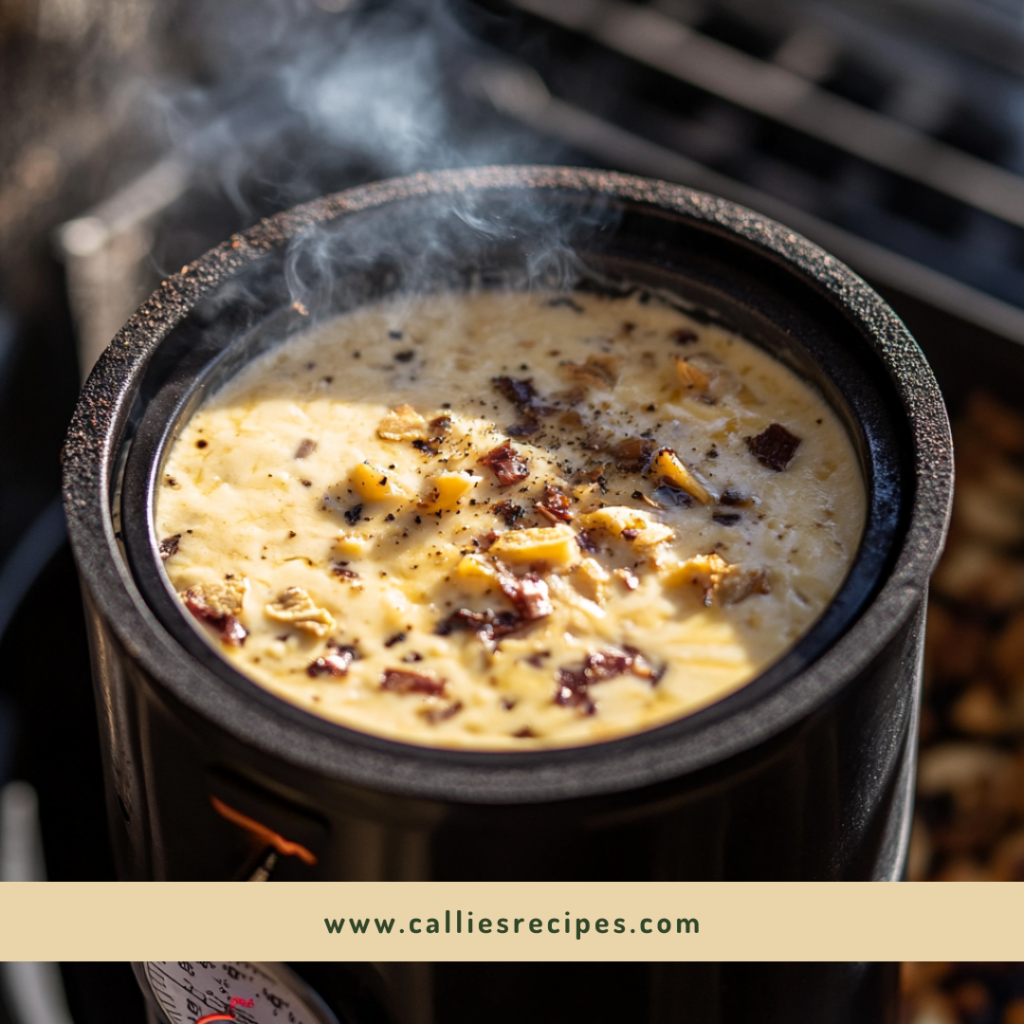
399, 921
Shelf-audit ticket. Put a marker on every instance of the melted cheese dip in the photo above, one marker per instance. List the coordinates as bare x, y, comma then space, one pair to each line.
509, 520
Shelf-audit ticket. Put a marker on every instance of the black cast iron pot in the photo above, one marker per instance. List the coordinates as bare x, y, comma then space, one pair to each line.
806, 773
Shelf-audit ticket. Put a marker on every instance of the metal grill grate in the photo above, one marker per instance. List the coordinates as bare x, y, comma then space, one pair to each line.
896, 150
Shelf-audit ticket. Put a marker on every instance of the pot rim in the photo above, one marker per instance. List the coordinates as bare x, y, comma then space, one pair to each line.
720, 731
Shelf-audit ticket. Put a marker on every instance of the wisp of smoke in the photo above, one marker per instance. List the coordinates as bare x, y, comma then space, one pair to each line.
272, 102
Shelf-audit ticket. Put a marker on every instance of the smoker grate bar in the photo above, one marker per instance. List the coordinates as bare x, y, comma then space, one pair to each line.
518, 92
647, 35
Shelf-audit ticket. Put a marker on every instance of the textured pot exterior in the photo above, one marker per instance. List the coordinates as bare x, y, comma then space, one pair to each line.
826, 801
805, 774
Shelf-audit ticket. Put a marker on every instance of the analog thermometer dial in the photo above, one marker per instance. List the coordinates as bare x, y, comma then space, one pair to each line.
197, 992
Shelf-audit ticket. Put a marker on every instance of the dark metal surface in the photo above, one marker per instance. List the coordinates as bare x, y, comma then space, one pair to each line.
914, 149
546, 993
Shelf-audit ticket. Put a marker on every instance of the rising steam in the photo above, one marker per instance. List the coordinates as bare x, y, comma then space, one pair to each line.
273, 102
259, 105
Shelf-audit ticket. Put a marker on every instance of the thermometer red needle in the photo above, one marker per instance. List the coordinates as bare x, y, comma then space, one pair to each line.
230, 1015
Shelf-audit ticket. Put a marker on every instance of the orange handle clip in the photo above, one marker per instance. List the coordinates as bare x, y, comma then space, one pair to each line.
267, 835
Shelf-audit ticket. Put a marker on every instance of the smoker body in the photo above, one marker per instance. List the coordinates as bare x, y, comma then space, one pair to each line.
805, 773
828, 800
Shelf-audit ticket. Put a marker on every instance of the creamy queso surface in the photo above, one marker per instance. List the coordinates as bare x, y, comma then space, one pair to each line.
504, 520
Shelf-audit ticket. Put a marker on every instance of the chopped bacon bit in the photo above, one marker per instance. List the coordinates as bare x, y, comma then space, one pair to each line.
549, 514
683, 336
488, 626
345, 574
169, 546
521, 393
306, 447
774, 447
628, 577
726, 518
335, 662
643, 668
507, 464
509, 511
437, 715
231, 630
632, 454
484, 543
586, 542
528, 593
630, 534
400, 680
461, 618
523, 429
734, 498
574, 683
556, 505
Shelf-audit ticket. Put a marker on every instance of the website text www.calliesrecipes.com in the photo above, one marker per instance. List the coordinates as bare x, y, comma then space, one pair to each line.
460, 922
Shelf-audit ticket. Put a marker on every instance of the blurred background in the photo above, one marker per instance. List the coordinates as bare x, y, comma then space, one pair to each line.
135, 135
96, 993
